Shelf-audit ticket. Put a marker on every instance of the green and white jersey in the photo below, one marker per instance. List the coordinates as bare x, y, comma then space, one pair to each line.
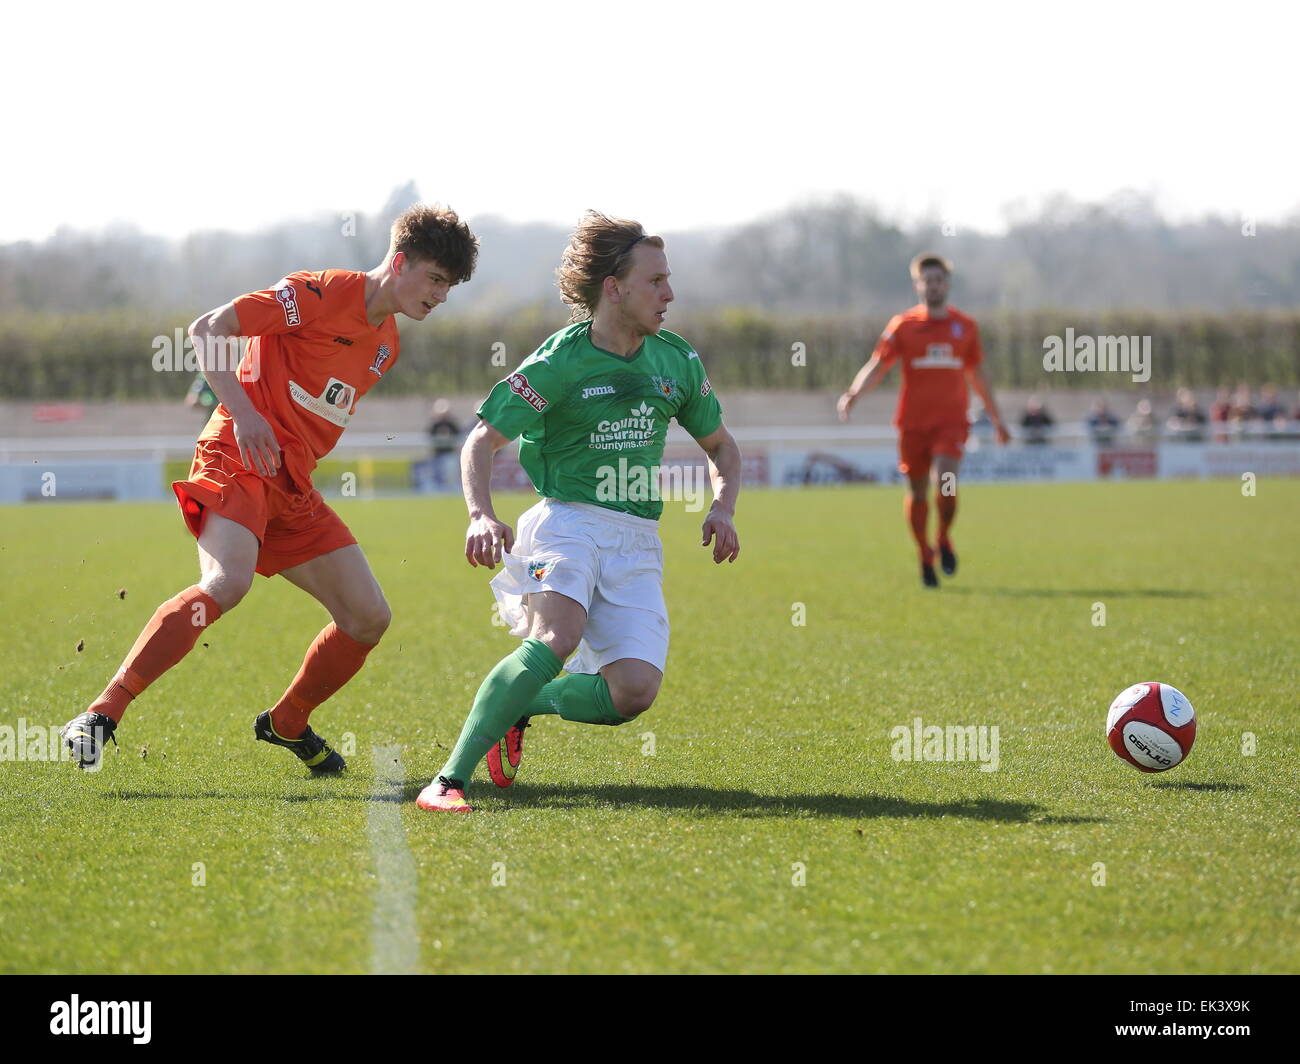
584, 414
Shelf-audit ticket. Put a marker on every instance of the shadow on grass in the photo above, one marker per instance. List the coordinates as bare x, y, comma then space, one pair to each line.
705, 800
1188, 785
710, 800
1095, 593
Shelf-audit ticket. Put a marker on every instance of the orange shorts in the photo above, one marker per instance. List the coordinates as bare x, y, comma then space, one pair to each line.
918, 447
290, 526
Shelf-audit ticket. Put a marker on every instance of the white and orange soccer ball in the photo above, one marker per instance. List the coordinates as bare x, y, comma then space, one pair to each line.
1151, 726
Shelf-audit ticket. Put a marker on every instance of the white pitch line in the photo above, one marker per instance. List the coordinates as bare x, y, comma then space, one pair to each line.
394, 937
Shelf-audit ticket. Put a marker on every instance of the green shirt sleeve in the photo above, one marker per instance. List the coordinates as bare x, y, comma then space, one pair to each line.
701, 413
518, 402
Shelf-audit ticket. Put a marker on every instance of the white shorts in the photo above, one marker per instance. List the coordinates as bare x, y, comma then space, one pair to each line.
611, 563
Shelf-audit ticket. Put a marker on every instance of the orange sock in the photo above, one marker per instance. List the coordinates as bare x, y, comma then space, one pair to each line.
331, 661
170, 634
947, 507
917, 511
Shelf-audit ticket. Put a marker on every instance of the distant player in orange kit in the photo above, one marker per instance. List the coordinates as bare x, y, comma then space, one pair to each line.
319, 340
939, 349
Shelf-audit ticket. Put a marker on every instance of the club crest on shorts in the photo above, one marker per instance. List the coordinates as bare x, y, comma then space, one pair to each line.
539, 571
381, 357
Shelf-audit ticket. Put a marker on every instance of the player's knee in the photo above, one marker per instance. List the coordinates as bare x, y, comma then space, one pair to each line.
631, 702
226, 589
560, 642
367, 625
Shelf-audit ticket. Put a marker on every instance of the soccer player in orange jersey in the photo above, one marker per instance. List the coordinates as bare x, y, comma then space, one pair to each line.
939, 349
318, 341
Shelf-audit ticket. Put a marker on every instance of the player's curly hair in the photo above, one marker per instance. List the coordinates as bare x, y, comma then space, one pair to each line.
600, 247
435, 234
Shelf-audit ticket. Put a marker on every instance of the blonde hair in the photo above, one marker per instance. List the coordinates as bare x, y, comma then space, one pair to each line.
600, 247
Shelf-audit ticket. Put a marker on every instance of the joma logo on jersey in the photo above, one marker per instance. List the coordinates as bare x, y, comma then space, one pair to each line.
383, 355
603, 389
289, 303
937, 356
520, 386
334, 403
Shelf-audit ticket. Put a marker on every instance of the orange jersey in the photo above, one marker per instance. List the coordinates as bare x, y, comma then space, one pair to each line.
311, 356
935, 354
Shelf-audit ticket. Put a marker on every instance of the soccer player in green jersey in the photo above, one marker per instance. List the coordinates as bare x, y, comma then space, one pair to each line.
584, 580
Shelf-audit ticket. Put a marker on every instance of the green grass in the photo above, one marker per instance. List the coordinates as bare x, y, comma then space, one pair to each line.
772, 747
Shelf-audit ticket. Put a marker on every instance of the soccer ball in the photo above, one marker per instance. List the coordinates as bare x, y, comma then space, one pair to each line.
1151, 726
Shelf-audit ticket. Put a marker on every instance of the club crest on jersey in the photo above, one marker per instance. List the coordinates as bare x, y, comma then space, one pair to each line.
378, 368
289, 304
956, 330
334, 403
520, 386
539, 571
667, 387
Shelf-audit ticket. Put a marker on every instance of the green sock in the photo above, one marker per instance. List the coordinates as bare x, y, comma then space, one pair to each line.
501, 700
578, 697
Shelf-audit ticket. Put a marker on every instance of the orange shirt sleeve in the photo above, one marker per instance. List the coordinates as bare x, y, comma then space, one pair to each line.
284, 308
887, 349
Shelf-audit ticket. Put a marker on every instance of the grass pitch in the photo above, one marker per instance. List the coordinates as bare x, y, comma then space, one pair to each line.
753, 820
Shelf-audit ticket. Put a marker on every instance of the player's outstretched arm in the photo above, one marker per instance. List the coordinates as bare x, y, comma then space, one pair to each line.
980, 384
868, 377
215, 336
486, 537
724, 471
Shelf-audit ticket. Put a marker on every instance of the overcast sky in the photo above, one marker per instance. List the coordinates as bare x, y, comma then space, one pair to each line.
175, 117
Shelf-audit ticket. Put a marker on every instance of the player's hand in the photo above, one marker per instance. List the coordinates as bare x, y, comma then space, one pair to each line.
844, 405
1003, 436
718, 526
259, 450
485, 541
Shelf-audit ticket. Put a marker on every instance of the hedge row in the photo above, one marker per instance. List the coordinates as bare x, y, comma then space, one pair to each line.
114, 355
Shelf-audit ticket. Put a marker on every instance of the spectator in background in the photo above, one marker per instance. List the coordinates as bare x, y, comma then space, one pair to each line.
1142, 422
1220, 415
1186, 421
1295, 410
1036, 422
1243, 410
444, 441
1102, 424
1270, 410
